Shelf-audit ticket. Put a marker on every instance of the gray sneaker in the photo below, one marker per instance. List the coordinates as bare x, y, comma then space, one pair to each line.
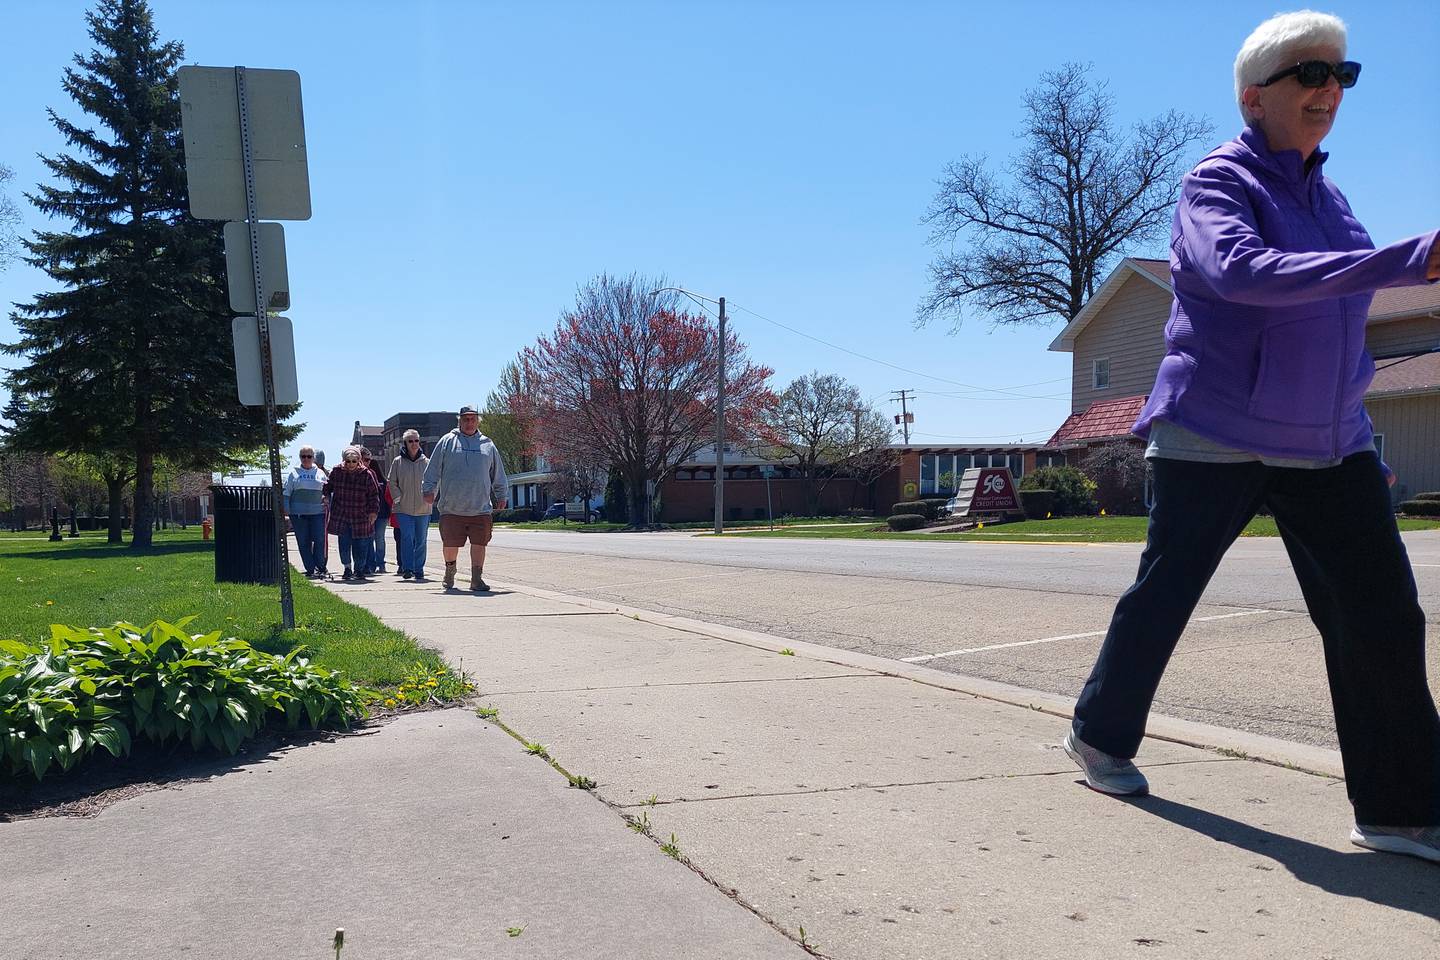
1103, 772
1422, 842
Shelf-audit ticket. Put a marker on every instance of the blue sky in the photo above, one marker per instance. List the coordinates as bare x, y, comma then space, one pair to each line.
472, 163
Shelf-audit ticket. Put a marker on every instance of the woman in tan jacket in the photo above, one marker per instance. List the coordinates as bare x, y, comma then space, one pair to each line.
411, 512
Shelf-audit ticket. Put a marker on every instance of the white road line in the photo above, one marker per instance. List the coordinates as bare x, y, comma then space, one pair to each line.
1069, 636
1425, 564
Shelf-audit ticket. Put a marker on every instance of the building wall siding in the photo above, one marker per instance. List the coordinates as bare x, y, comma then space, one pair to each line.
1388, 339
1411, 426
1130, 330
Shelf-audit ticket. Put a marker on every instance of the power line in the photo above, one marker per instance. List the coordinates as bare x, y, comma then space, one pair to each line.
883, 363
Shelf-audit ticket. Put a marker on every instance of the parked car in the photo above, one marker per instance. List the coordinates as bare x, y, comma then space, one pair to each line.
556, 510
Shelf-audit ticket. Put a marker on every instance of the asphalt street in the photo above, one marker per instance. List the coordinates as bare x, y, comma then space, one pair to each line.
1026, 614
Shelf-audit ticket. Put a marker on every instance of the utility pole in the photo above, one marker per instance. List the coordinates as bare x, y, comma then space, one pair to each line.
904, 419
720, 430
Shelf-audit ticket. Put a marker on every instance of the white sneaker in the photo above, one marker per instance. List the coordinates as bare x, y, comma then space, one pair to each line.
1422, 842
1103, 772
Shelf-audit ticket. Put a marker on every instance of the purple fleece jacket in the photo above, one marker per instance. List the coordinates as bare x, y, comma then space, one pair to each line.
1273, 276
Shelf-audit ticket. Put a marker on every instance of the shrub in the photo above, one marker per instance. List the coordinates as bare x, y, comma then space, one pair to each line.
1421, 508
515, 515
1427, 496
934, 505
1038, 504
1118, 469
906, 521
1074, 492
859, 513
912, 506
87, 689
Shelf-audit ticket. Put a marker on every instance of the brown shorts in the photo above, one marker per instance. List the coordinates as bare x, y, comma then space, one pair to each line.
454, 529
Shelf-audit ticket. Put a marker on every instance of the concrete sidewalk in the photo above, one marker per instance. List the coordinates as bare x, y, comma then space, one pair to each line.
894, 813
891, 810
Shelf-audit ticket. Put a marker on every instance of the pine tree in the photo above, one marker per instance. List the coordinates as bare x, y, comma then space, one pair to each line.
133, 353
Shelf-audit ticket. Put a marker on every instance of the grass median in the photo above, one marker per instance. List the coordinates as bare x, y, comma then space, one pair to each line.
85, 582
1058, 530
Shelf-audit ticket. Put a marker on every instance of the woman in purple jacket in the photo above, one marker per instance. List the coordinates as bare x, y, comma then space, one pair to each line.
1258, 403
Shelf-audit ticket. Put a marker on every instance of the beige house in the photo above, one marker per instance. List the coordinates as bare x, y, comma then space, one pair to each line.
1118, 339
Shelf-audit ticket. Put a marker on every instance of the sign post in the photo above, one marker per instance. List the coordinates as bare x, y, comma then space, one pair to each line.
767, 470
244, 129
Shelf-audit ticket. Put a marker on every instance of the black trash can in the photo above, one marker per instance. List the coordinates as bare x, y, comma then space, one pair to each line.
245, 538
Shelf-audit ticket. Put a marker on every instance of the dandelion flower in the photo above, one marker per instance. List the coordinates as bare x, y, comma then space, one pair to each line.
431, 683
49, 603
390, 702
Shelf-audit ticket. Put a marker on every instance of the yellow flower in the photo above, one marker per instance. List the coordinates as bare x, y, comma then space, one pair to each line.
390, 703
1102, 512
431, 683
1047, 514
979, 526
49, 603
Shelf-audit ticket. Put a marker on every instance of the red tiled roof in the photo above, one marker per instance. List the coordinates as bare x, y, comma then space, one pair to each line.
1101, 420
1407, 375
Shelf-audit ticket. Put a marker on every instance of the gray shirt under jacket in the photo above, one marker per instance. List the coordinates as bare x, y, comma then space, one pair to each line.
1170, 441
465, 474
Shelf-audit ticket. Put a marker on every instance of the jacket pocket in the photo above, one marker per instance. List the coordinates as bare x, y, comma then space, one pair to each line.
1298, 381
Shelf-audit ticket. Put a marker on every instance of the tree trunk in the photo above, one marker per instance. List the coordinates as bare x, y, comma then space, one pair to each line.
140, 532
117, 509
639, 509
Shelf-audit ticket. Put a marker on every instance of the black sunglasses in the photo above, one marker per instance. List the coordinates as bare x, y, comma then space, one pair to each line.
1314, 73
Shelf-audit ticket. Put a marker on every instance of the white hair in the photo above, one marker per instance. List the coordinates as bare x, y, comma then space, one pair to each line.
411, 434
1272, 47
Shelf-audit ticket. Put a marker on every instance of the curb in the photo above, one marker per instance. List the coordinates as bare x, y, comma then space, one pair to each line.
1317, 761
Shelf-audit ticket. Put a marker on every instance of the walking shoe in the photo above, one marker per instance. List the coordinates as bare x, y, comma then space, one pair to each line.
1422, 842
450, 575
1103, 772
405, 574
347, 575
477, 582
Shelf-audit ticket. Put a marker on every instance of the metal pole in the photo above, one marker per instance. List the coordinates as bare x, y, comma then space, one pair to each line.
267, 375
720, 430
768, 508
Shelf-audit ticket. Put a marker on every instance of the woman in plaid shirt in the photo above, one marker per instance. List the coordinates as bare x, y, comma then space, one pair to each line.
354, 502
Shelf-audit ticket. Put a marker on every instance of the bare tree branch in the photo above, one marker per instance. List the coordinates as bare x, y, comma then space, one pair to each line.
1079, 194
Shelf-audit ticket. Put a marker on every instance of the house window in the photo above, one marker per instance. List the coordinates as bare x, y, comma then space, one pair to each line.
1380, 445
1100, 373
684, 475
927, 475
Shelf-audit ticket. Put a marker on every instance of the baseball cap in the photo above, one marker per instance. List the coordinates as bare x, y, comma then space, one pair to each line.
468, 409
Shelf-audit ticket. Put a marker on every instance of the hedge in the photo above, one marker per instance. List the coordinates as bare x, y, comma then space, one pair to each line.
1037, 504
515, 515
1427, 496
935, 505
1074, 492
906, 521
921, 507
1421, 508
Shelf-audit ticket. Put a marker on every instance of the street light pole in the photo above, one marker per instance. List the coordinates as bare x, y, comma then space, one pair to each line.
720, 429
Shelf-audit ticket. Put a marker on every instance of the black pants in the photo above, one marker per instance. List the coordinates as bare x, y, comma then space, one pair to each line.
1339, 529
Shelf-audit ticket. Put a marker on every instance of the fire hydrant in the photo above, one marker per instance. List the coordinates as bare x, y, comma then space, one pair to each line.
206, 526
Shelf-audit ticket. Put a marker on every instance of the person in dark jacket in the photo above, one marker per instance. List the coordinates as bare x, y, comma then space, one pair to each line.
1258, 402
354, 502
375, 559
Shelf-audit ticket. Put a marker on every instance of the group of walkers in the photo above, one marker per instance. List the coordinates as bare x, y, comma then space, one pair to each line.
359, 500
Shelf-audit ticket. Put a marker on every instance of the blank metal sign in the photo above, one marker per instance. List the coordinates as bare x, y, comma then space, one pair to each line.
214, 161
282, 361
274, 275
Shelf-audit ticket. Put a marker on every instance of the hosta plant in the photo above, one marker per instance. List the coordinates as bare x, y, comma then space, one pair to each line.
101, 687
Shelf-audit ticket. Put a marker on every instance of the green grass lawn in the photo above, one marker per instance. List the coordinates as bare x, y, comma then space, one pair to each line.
85, 582
1059, 530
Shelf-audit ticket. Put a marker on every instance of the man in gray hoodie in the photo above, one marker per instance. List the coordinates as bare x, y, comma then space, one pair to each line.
467, 478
